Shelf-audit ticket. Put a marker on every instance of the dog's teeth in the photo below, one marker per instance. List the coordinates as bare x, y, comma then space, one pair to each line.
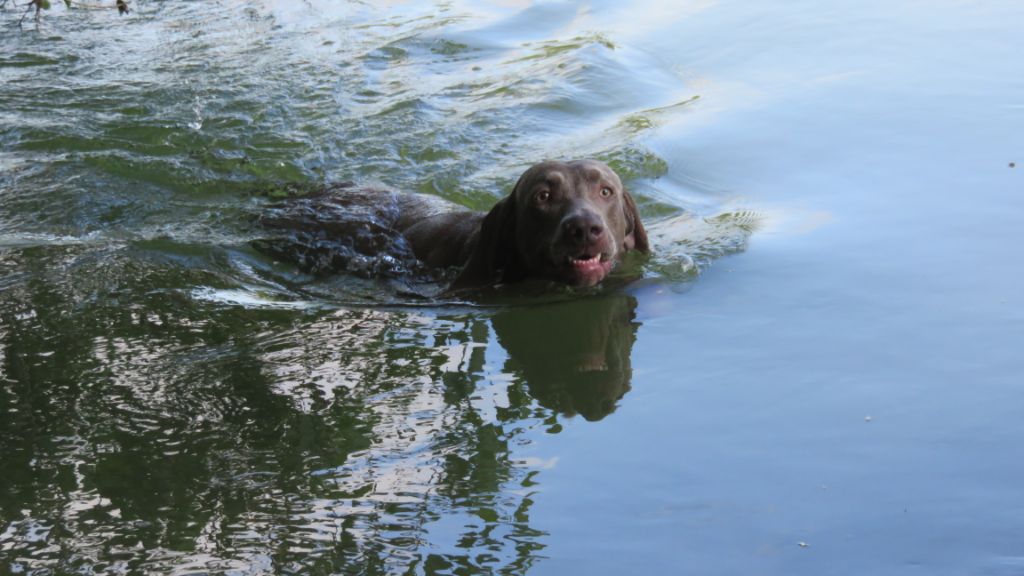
582, 261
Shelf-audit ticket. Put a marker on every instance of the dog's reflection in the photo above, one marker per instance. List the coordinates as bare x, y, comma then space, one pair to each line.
574, 356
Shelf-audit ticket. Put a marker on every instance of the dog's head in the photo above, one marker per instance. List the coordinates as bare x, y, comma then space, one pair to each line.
564, 221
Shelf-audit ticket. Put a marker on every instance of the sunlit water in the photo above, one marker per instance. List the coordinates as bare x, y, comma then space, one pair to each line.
818, 372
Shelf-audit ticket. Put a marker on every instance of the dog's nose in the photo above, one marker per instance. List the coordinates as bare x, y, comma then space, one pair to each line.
583, 228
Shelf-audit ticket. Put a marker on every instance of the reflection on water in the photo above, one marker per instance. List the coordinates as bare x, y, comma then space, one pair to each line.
574, 356
151, 434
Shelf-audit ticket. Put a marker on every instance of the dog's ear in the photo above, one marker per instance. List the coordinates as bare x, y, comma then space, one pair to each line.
636, 236
494, 257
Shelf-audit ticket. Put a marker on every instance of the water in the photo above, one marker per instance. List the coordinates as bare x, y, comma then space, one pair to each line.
818, 374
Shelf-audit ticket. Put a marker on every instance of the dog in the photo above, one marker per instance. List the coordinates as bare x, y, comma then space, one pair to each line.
568, 222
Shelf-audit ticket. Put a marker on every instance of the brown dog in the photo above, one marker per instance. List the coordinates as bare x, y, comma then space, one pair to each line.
564, 221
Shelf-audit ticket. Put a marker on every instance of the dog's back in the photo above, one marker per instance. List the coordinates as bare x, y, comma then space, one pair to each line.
366, 231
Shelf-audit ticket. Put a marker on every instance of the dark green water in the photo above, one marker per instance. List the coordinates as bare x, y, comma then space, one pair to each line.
820, 372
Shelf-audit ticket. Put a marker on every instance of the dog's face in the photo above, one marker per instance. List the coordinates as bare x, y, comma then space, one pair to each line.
564, 221
572, 221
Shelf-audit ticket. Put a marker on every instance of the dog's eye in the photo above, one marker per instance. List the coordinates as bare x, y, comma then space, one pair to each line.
543, 195
606, 192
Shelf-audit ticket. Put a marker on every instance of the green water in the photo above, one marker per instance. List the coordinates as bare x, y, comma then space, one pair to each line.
819, 372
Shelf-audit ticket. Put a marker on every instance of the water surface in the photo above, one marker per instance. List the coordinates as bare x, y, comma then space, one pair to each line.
817, 374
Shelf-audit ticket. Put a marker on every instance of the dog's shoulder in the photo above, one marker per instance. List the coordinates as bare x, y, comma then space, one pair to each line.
444, 239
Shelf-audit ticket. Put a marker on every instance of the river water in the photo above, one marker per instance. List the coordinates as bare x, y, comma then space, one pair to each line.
818, 373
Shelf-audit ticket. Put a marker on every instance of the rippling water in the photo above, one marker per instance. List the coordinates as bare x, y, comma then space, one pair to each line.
817, 373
